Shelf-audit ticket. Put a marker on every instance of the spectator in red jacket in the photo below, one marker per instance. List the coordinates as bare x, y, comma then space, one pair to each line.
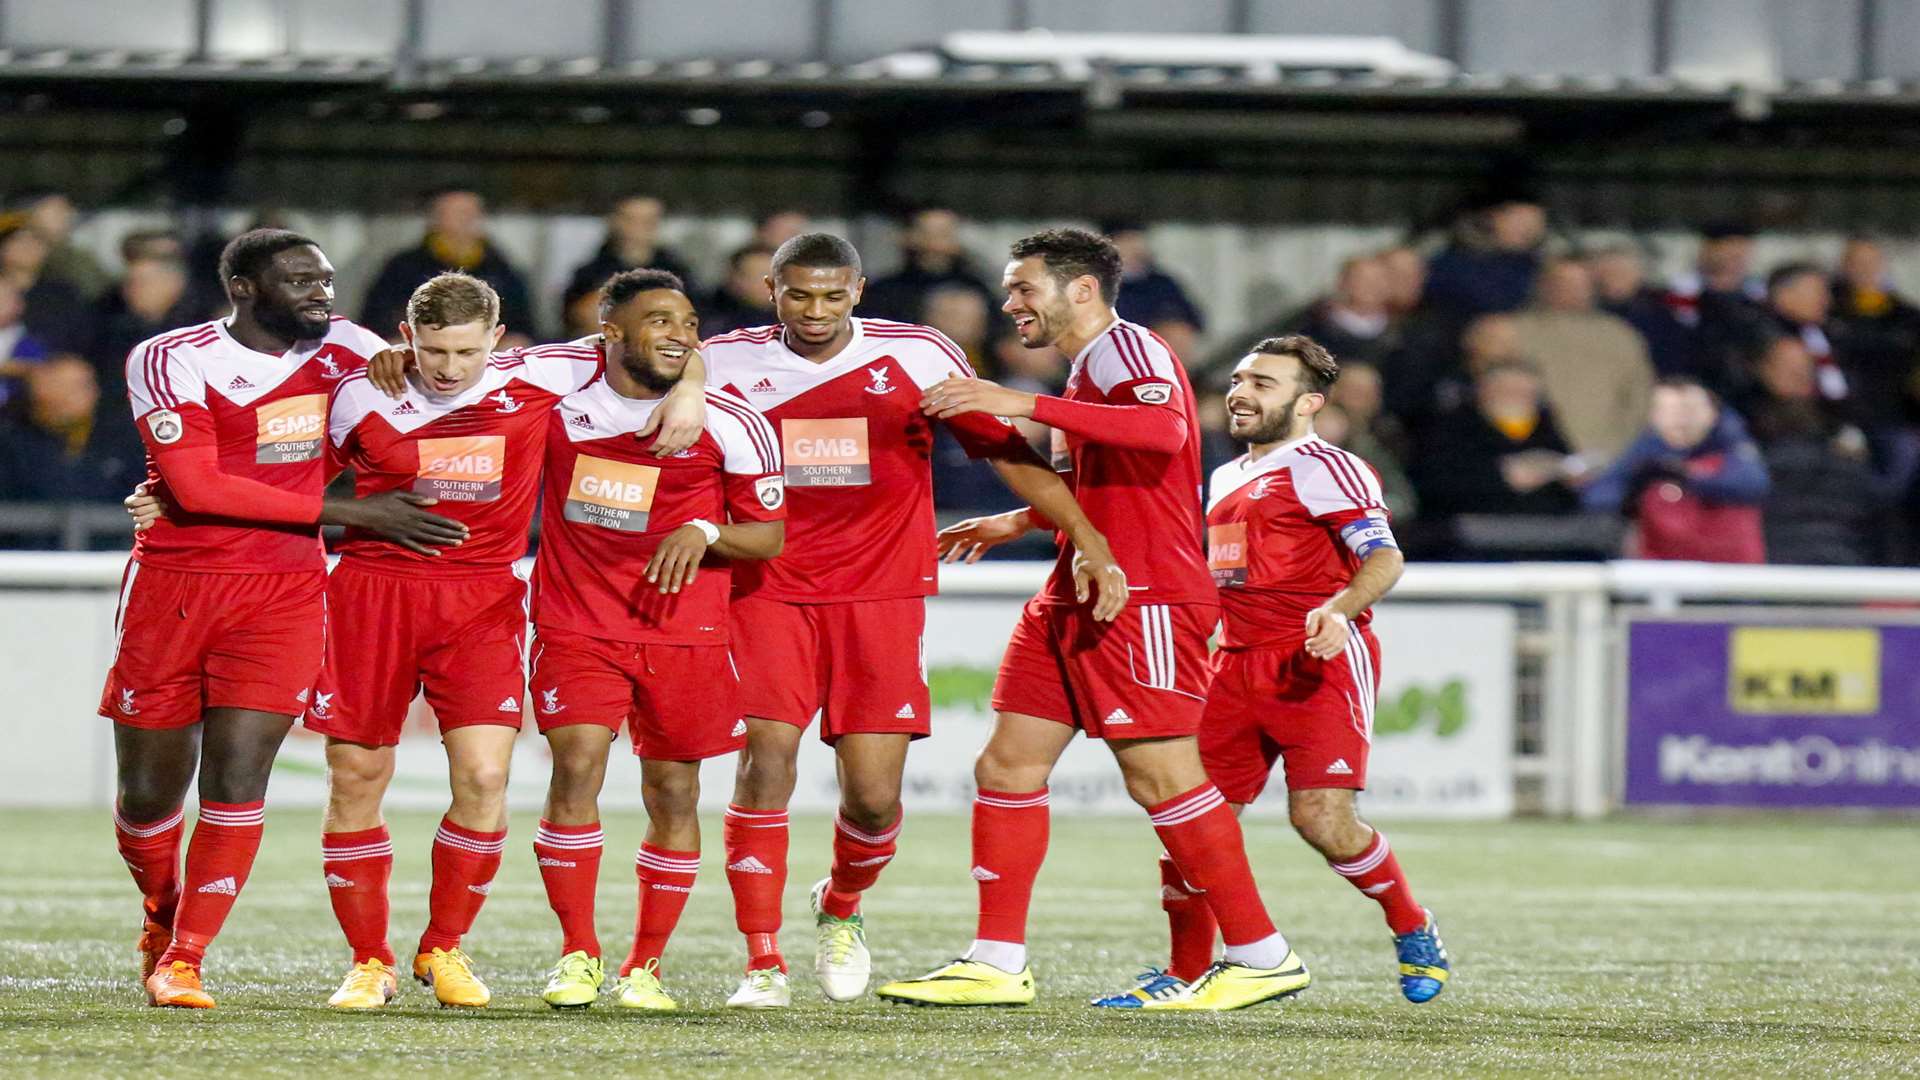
1693, 481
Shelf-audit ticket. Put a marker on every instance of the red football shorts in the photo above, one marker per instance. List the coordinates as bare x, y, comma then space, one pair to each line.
1141, 676
186, 642
460, 638
861, 665
677, 702
1281, 702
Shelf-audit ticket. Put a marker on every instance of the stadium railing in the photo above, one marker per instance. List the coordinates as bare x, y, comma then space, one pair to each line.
1569, 733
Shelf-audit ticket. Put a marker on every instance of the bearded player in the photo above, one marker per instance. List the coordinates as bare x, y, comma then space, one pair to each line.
834, 627
630, 615
1131, 440
222, 617
469, 430
1299, 545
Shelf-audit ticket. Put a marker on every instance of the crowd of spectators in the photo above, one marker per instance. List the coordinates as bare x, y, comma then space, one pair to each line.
1521, 397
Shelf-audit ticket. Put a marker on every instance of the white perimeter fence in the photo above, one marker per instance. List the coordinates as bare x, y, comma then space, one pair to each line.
1563, 689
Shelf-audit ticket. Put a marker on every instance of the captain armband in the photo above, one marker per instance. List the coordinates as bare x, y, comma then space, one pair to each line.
1368, 535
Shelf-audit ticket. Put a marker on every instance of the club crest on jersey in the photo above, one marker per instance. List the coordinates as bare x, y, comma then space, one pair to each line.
328, 368
166, 427
506, 402
322, 705
126, 705
1262, 488
771, 491
550, 701
879, 375
1153, 393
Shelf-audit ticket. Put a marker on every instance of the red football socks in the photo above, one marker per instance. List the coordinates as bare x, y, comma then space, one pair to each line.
152, 852
756, 843
1376, 873
464, 862
219, 857
569, 858
858, 858
358, 865
666, 879
1009, 844
1189, 920
1203, 836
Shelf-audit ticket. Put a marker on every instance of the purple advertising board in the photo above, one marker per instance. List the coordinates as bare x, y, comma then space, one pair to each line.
1773, 714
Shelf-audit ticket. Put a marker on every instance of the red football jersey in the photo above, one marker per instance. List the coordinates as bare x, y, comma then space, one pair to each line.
1282, 537
478, 452
1146, 504
266, 417
609, 503
858, 455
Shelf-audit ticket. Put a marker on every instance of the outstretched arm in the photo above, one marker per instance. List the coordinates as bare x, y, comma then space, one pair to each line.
1154, 428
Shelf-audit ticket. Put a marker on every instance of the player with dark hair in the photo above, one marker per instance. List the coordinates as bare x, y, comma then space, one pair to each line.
630, 620
835, 626
222, 616
1127, 433
1299, 545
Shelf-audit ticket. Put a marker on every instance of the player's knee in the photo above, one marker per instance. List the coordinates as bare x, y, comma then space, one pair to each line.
994, 770
765, 779
144, 799
232, 782
576, 774
871, 807
1326, 825
479, 780
675, 796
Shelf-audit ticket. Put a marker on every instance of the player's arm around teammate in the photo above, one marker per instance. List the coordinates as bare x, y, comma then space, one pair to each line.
631, 628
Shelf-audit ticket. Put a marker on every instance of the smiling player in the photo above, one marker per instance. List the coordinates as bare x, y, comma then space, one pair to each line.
630, 615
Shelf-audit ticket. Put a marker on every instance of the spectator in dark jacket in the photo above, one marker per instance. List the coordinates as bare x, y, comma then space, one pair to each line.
19, 349
1149, 295
1356, 322
633, 243
1879, 329
1492, 261
743, 299
152, 298
456, 239
1723, 303
54, 449
1829, 504
1619, 279
1693, 481
55, 310
931, 256
1500, 454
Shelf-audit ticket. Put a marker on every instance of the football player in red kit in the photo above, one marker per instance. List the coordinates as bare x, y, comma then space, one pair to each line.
222, 616
468, 429
1131, 442
833, 627
630, 619
1299, 544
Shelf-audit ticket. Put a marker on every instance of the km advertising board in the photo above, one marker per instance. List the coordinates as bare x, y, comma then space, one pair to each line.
1735, 708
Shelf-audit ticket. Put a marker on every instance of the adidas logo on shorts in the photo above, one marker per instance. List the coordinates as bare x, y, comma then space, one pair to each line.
739, 727
335, 881
510, 705
981, 873
1339, 768
1119, 716
905, 713
226, 886
749, 865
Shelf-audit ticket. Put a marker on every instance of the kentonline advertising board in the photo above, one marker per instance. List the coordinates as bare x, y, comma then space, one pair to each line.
1756, 709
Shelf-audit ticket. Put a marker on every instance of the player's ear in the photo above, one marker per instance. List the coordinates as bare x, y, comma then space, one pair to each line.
859, 290
240, 288
406, 332
499, 331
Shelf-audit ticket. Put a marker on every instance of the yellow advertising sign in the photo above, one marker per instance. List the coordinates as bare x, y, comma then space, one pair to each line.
1804, 670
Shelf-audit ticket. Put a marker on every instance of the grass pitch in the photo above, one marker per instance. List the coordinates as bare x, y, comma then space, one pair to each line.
1744, 947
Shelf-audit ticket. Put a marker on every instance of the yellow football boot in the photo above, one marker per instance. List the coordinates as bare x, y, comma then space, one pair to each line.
575, 982
369, 985
450, 975
963, 982
177, 986
641, 989
1229, 985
